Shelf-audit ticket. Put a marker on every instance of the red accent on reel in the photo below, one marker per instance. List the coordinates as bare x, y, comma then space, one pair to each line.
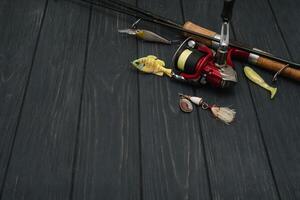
206, 68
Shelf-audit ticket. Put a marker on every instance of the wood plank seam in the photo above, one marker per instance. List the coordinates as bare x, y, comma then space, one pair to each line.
204, 153
23, 98
264, 144
140, 131
255, 109
83, 81
280, 30
139, 122
98, 173
267, 154
200, 126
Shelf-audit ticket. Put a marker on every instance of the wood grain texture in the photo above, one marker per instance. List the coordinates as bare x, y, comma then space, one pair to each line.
92, 127
108, 159
173, 161
238, 163
41, 162
20, 22
279, 119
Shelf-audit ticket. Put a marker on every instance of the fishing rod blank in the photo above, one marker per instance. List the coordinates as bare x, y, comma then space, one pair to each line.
141, 11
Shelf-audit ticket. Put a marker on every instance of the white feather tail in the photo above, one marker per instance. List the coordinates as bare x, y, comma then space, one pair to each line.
225, 114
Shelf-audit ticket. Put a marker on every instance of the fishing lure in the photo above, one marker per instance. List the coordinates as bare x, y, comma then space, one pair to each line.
185, 105
151, 64
254, 77
224, 114
145, 35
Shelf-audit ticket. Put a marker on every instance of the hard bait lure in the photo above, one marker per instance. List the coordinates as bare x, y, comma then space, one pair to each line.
224, 114
151, 64
146, 35
253, 76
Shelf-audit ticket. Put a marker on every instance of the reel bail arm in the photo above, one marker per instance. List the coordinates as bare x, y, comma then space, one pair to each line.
226, 15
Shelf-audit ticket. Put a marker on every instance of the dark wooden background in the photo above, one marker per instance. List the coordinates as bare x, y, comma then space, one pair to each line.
78, 122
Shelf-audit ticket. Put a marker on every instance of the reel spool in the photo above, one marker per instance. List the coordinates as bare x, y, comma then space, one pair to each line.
195, 62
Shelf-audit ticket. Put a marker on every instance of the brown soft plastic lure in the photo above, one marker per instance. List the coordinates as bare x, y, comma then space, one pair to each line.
146, 35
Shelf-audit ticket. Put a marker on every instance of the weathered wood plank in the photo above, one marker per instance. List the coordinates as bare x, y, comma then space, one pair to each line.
20, 23
280, 117
108, 159
238, 164
172, 152
41, 162
286, 14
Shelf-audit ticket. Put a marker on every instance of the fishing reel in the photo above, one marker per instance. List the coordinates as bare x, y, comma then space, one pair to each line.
195, 63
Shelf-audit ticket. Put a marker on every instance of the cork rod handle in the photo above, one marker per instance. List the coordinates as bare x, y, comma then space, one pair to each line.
198, 29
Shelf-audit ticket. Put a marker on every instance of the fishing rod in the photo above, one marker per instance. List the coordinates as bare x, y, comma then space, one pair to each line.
141, 11
145, 15
131, 10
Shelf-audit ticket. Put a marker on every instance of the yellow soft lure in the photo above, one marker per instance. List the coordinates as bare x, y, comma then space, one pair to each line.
253, 76
151, 64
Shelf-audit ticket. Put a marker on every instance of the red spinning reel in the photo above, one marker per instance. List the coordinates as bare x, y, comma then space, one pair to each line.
195, 62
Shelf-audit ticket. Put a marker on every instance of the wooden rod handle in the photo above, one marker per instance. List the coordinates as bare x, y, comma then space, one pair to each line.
274, 66
198, 29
